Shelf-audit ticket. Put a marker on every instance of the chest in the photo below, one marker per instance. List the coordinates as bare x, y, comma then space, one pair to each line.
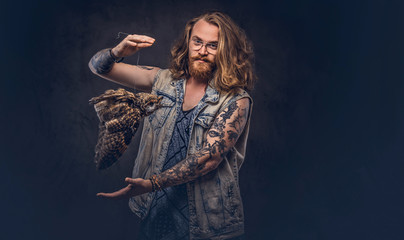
192, 96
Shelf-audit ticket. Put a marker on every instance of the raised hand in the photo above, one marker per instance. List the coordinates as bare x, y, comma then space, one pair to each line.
131, 44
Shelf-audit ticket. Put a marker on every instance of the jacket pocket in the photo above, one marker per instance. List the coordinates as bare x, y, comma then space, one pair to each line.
202, 124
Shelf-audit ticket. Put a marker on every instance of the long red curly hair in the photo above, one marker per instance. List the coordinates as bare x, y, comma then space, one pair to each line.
234, 58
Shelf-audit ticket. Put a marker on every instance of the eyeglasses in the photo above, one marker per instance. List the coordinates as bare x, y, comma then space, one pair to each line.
197, 44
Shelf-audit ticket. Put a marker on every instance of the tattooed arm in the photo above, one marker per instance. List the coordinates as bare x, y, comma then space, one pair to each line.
222, 136
139, 77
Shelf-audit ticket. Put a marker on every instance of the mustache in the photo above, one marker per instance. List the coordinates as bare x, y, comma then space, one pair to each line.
205, 59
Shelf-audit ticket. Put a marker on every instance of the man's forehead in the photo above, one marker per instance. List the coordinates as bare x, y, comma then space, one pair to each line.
205, 31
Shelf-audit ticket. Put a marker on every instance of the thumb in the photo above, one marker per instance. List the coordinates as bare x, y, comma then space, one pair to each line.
131, 180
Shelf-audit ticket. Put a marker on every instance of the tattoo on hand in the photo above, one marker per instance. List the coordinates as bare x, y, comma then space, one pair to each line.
223, 135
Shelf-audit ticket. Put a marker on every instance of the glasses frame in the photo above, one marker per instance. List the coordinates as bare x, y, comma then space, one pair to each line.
194, 41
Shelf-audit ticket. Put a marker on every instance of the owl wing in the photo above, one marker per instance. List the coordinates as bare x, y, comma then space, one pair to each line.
110, 147
119, 119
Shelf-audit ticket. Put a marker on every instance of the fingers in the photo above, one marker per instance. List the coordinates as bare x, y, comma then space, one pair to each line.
143, 45
105, 195
136, 186
131, 44
140, 39
139, 45
120, 194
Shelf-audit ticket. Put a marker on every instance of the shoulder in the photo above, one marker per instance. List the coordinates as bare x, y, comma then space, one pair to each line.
239, 95
161, 75
162, 78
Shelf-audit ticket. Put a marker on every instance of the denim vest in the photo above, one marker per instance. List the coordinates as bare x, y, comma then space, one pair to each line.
215, 206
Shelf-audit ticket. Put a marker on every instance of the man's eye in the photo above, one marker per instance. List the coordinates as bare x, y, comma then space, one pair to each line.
198, 42
212, 46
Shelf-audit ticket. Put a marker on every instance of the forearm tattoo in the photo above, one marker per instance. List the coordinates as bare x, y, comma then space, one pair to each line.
221, 137
102, 61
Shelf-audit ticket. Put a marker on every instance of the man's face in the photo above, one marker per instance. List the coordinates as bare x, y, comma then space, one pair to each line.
202, 50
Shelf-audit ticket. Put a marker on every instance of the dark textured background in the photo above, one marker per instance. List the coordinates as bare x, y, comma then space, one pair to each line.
325, 153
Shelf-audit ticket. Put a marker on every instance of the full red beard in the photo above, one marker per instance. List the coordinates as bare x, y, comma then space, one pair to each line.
201, 70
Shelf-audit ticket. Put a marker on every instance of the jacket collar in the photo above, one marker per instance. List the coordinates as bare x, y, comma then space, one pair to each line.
211, 95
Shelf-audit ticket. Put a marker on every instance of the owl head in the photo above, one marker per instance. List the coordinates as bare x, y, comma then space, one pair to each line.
147, 102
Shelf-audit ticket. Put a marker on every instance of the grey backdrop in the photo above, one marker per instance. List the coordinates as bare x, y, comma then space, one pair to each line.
325, 153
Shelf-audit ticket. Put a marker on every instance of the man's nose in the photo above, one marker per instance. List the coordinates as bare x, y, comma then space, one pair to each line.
203, 50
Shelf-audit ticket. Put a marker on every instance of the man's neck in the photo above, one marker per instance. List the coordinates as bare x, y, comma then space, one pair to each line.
194, 91
196, 83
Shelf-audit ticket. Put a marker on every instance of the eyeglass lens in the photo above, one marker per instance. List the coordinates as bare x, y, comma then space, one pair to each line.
198, 44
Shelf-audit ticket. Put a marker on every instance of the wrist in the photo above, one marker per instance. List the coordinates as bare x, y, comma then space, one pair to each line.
114, 52
114, 56
154, 184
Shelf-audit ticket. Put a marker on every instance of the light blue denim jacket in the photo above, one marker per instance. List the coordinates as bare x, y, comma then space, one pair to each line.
215, 206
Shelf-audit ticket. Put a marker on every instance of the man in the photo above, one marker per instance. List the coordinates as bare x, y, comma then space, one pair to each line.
185, 178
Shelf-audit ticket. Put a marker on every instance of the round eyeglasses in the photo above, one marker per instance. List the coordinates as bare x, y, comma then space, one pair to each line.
197, 44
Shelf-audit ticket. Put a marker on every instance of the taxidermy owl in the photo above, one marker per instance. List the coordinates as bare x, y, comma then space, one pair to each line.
119, 112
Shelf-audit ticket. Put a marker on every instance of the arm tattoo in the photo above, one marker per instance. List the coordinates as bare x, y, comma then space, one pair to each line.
223, 134
102, 61
145, 67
